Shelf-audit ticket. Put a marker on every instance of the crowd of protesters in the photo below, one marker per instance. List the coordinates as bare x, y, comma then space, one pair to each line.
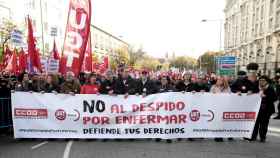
124, 83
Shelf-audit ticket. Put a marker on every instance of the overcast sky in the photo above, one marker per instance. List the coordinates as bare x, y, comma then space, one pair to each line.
162, 26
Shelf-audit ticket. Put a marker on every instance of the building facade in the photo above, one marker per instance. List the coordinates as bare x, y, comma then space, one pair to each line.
252, 33
104, 43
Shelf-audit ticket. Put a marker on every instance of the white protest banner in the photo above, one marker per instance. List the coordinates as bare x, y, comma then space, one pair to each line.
166, 115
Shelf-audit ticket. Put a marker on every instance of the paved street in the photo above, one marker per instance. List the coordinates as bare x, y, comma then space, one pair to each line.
10, 148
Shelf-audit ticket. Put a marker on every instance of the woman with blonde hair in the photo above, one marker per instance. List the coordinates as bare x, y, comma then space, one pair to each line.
221, 86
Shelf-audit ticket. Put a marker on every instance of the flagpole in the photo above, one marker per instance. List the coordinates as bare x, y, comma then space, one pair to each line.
43, 42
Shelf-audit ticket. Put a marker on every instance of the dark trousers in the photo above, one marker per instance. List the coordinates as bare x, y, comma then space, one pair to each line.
261, 125
278, 107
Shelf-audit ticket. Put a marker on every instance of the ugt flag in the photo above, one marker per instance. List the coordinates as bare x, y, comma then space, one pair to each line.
76, 37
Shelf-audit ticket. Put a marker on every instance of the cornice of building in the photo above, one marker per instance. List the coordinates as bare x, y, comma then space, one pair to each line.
109, 34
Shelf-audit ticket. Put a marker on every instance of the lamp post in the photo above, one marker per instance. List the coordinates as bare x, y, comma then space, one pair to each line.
220, 33
221, 28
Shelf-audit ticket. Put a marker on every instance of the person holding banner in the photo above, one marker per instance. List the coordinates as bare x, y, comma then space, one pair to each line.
145, 85
266, 110
124, 84
25, 84
165, 85
221, 86
91, 87
107, 85
50, 86
184, 84
241, 84
71, 84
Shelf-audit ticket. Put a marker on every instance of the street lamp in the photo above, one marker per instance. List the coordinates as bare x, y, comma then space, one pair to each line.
221, 28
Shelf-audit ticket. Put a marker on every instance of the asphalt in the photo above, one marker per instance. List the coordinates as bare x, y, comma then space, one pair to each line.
202, 148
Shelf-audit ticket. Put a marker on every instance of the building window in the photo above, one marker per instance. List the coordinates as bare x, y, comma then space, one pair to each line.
257, 14
271, 8
277, 22
261, 28
256, 29
262, 12
270, 23
253, 20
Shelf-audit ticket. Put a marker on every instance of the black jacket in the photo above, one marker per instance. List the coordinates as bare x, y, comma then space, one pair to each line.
166, 88
277, 87
244, 85
106, 86
123, 86
149, 87
267, 104
181, 86
5, 89
49, 88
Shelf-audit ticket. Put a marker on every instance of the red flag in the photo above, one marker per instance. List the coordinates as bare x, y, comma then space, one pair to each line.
37, 60
76, 36
22, 61
12, 65
55, 52
87, 65
105, 65
33, 54
106, 62
7, 56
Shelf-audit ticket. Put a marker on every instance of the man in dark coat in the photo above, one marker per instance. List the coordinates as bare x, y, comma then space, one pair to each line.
242, 84
107, 85
165, 85
183, 84
124, 84
145, 85
252, 70
266, 110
